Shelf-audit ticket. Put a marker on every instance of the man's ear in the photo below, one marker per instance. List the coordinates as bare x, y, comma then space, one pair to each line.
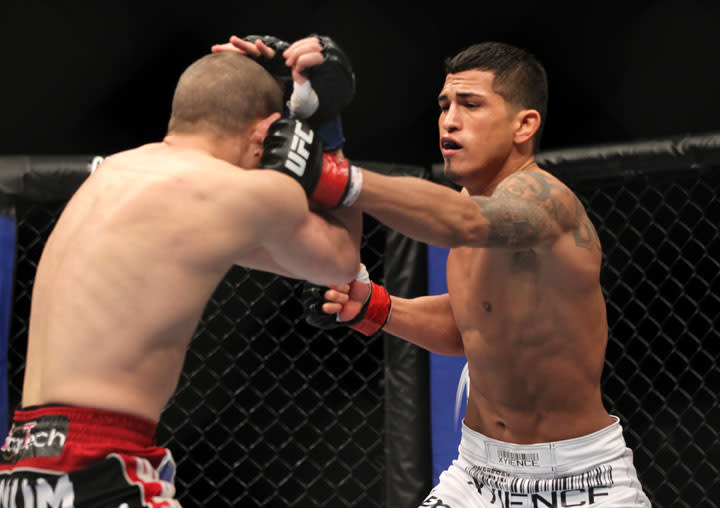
261, 126
528, 123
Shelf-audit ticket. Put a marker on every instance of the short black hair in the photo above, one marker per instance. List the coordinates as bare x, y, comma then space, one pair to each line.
519, 77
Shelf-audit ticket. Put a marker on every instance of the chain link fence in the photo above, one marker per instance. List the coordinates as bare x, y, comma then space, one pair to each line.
271, 412
662, 259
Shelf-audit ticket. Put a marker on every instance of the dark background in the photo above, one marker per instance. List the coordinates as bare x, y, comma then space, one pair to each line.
97, 77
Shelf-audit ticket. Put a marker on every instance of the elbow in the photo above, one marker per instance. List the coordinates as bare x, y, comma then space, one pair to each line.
448, 350
449, 344
351, 267
453, 348
466, 233
467, 227
346, 268
456, 347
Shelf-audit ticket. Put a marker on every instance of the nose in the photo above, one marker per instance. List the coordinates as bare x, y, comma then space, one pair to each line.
449, 119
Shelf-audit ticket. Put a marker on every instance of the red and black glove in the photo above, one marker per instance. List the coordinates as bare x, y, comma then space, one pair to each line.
371, 318
292, 147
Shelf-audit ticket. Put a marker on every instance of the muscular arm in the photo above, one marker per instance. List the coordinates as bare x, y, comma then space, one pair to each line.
527, 209
324, 248
426, 321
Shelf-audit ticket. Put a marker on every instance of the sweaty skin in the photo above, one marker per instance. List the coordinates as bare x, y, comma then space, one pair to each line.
136, 254
524, 301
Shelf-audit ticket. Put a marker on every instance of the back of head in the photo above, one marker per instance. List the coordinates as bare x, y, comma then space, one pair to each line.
519, 77
223, 93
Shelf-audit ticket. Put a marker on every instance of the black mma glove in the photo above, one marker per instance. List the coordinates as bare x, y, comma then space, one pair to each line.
330, 89
333, 81
292, 147
275, 65
372, 317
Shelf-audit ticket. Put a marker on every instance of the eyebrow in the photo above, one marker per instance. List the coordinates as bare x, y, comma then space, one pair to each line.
462, 95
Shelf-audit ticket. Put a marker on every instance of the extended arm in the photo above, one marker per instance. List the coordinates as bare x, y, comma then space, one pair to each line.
527, 209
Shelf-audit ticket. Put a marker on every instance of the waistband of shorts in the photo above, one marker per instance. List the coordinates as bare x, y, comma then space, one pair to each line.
86, 423
585, 451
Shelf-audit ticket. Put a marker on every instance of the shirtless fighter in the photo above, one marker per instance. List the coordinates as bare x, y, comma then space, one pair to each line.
128, 269
524, 302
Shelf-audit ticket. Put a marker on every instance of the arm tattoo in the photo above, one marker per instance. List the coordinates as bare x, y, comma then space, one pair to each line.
514, 225
527, 208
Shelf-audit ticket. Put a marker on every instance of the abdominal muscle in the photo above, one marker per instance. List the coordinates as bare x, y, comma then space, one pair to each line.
535, 348
532, 399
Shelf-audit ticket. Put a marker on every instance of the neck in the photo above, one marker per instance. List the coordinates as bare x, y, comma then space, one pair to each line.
513, 165
229, 148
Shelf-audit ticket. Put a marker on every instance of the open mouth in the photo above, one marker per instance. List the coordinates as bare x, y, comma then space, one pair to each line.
449, 144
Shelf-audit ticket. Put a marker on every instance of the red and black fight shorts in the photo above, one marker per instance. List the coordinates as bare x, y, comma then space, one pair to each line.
72, 457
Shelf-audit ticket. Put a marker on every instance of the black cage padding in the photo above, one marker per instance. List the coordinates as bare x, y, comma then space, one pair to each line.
631, 158
407, 384
41, 178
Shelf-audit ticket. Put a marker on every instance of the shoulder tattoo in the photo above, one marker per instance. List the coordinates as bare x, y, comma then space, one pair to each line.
585, 234
530, 206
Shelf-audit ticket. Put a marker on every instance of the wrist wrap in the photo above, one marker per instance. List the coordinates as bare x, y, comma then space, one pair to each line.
375, 312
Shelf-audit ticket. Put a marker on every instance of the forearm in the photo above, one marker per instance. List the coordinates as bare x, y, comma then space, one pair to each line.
426, 321
428, 212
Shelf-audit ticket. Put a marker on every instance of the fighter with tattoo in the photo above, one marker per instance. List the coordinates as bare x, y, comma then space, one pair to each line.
524, 303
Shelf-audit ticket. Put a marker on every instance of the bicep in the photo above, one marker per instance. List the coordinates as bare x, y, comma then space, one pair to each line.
271, 225
317, 251
286, 237
261, 260
514, 223
526, 210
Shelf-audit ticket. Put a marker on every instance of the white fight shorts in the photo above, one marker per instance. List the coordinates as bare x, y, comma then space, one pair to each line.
590, 471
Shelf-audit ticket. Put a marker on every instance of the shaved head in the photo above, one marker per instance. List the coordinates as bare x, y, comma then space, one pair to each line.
223, 93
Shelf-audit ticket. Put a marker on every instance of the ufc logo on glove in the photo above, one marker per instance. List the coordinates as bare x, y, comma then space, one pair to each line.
292, 147
298, 155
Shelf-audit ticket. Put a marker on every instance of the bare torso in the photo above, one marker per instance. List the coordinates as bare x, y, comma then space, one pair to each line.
127, 272
534, 331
